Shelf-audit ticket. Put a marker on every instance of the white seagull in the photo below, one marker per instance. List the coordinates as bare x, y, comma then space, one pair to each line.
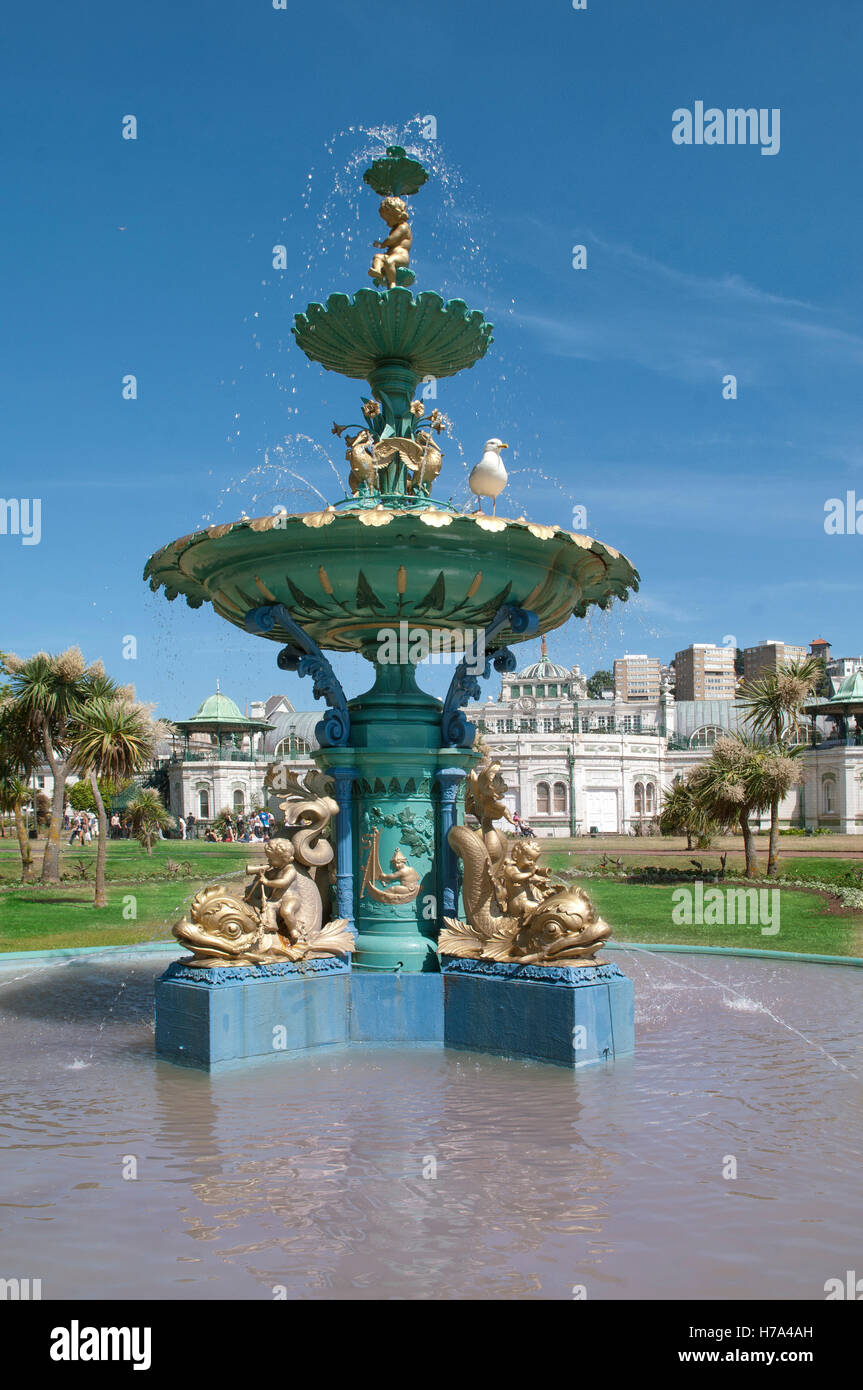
489, 477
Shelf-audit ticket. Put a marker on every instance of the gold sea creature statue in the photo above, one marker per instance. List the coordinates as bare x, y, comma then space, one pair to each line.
515, 913
396, 247
281, 915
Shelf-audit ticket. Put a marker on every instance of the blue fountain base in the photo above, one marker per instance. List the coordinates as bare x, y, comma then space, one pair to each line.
216, 1018
571, 1016
222, 1017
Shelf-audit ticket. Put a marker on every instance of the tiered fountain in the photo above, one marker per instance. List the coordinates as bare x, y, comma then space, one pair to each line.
381, 572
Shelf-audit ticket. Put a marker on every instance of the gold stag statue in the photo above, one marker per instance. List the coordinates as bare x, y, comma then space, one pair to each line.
515, 913
396, 247
281, 914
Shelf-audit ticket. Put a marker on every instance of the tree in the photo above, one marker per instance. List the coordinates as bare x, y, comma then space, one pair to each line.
773, 707
18, 755
46, 693
742, 777
599, 681
683, 814
81, 796
149, 817
112, 736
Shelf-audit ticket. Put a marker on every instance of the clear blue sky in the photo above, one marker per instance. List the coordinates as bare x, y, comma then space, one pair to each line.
554, 128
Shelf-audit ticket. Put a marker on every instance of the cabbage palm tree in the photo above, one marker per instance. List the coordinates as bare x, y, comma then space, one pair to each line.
19, 753
149, 817
774, 706
683, 814
743, 776
112, 737
46, 693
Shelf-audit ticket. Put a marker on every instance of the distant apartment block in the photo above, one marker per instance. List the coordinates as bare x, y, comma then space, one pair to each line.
838, 667
705, 672
637, 678
769, 656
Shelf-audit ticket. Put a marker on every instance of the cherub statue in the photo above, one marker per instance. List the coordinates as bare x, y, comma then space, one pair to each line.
274, 890
404, 877
523, 883
384, 268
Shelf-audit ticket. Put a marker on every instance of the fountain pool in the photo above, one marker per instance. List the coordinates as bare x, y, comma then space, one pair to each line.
314, 1175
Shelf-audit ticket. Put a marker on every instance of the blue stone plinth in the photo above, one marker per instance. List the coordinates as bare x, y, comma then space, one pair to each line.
574, 1016
214, 1018
396, 1008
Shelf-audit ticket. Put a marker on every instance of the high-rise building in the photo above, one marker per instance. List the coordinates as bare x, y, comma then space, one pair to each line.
637, 678
768, 656
705, 672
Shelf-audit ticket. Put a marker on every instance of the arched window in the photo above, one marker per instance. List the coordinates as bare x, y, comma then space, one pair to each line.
706, 736
239, 801
203, 803
543, 799
650, 799
639, 798
559, 797
828, 790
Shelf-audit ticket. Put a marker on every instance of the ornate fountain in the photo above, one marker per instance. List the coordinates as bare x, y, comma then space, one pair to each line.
384, 571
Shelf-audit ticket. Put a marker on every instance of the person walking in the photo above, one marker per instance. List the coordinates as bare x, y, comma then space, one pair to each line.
181, 826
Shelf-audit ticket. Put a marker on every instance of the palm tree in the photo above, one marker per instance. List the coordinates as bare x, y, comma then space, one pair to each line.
148, 816
112, 737
743, 776
774, 704
18, 755
47, 692
683, 814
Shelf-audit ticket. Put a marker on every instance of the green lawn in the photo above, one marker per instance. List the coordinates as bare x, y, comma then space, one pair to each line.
128, 861
643, 913
46, 918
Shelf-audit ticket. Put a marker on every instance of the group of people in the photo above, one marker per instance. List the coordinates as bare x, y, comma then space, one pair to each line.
84, 826
254, 829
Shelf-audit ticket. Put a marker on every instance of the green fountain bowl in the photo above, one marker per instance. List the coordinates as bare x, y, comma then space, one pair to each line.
428, 335
343, 575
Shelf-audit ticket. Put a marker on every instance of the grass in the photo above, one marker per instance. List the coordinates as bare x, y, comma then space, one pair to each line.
41, 918
127, 861
642, 913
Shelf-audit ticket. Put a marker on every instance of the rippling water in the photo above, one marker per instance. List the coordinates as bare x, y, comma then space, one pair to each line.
311, 1175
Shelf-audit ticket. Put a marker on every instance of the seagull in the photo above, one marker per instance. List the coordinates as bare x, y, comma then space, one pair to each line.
489, 477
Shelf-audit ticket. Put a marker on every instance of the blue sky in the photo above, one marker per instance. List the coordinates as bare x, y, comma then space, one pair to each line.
554, 129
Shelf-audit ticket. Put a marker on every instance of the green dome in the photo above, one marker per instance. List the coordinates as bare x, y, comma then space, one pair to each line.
219, 708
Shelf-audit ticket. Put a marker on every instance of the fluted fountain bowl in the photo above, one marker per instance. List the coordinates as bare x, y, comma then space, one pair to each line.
345, 574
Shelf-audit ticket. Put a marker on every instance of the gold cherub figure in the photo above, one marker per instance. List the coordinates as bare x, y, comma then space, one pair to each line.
384, 268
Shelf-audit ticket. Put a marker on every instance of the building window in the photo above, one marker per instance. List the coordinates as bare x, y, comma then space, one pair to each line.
514, 692
559, 798
639, 798
543, 799
707, 736
828, 788
203, 804
239, 802
650, 799
552, 692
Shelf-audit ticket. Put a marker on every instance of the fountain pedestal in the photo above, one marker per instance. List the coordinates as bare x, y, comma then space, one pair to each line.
572, 1016
401, 797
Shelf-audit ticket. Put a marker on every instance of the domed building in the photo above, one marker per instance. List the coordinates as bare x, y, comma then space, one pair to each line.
218, 761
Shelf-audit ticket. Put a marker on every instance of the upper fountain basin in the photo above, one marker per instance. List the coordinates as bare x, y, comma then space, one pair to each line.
430, 335
344, 575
